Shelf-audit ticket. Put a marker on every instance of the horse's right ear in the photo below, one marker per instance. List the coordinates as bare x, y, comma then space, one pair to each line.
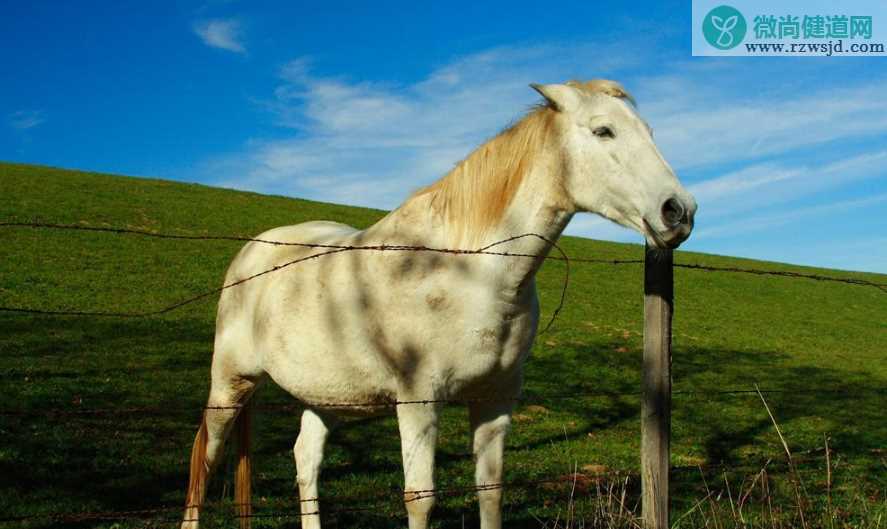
560, 97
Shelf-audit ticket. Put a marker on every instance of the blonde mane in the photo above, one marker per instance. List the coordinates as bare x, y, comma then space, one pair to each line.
474, 195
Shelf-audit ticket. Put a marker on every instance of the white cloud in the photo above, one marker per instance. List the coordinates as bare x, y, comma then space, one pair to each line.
748, 179
770, 195
772, 220
26, 119
762, 185
704, 120
226, 34
373, 143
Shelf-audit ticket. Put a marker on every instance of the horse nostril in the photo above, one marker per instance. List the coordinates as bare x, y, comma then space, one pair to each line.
672, 212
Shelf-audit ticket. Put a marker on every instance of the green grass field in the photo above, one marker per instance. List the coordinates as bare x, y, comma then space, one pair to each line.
823, 344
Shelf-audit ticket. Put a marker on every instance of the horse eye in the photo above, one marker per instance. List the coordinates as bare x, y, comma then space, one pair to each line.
604, 132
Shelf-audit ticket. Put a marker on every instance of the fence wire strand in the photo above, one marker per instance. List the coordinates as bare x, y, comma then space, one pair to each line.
393, 403
562, 257
329, 250
388, 497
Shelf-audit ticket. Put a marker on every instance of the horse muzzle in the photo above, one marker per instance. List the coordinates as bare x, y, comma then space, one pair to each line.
676, 218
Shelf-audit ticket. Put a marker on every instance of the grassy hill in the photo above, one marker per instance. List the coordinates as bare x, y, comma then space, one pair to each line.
822, 345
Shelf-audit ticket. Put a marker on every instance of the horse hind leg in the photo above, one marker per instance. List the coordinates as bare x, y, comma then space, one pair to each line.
489, 422
308, 452
227, 402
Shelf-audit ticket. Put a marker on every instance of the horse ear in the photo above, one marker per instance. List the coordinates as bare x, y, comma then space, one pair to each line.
561, 97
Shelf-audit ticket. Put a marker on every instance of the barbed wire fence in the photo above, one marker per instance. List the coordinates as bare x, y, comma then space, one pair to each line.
394, 498
393, 403
160, 515
486, 250
387, 497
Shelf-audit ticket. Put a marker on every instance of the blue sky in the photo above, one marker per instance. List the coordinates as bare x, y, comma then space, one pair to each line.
362, 103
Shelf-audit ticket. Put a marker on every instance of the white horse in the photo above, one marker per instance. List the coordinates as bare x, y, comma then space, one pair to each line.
382, 326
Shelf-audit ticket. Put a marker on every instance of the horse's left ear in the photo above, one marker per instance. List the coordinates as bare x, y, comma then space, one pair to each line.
561, 97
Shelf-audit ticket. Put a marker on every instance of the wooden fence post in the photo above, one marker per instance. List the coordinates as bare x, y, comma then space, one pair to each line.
656, 399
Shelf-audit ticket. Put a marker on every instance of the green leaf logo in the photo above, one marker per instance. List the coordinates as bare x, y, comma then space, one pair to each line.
724, 27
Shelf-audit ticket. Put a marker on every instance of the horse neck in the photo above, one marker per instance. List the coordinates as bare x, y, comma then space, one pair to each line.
533, 221
535, 216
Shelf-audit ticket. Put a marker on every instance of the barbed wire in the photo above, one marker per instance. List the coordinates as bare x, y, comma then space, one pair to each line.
402, 496
782, 273
141, 514
329, 250
393, 495
563, 257
393, 403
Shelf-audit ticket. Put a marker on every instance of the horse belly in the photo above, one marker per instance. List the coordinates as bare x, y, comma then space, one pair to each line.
361, 329
325, 365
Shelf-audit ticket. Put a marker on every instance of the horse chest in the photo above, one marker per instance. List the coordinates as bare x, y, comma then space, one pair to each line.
494, 342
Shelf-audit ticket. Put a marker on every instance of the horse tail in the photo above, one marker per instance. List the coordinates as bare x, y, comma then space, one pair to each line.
243, 480
198, 472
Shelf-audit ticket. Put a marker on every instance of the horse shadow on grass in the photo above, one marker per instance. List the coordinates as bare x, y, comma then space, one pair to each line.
726, 425
124, 463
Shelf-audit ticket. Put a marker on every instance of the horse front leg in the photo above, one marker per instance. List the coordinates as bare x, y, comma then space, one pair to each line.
489, 423
308, 452
418, 440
